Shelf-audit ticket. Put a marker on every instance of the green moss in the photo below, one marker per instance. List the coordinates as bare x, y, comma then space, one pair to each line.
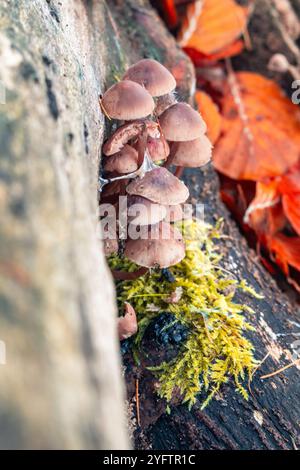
216, 349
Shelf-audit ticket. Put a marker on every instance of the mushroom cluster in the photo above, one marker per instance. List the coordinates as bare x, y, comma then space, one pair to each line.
155, 132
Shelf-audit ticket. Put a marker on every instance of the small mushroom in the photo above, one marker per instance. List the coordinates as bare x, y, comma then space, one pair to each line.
278, 63
152, 75
124, 161
181, 122
127, 100
127, 132
141, 211
160, 186
158, 250
192, 154
127, 325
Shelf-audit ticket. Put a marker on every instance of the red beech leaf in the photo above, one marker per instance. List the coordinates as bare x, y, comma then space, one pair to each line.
266, 196
212, 25
210, 113
291, 207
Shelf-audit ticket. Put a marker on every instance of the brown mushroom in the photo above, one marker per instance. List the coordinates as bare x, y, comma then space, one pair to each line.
181, 122
141, 211
152, 75
129, 131
127, 325
162, 249
160, 186
192, 154
124, 161
127, 100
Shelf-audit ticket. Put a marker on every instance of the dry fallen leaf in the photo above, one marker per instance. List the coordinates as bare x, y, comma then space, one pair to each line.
201, 60
127, 325
265, 213
291, 207
210, 113
261, 130
211, 25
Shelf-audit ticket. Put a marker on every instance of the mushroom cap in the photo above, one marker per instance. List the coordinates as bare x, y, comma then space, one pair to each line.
158, 148
124, 161
152, 75
192, 154
129, 131
157, 250
278, 63
127, 100
127, 325
141, 211
159, 185
181, 122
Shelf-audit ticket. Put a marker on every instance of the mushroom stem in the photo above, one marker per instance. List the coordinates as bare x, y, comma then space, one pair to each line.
141, 147
126, 276
179, 171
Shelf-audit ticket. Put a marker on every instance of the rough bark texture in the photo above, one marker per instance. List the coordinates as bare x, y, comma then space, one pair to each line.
61, 385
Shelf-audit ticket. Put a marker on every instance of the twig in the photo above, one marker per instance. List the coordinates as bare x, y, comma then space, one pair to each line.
255, 370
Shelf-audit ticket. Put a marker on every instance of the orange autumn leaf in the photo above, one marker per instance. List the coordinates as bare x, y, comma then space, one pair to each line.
210, 114
261, 130
200, 59
266, 196
289, 187
290, 182
268, 221
211, 25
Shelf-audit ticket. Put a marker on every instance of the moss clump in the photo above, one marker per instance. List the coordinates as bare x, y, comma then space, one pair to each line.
216, 348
